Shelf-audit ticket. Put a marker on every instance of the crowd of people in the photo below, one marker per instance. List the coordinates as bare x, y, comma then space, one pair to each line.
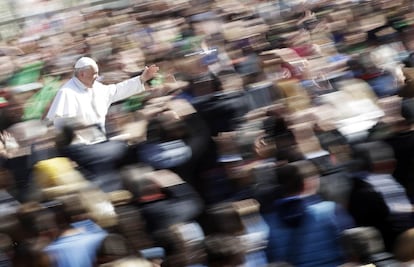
210, 133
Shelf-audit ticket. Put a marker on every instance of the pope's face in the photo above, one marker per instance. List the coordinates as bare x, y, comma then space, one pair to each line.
88, 76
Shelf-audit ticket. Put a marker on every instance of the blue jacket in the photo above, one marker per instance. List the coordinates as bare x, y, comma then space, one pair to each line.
305, 232
383, 85
78, 250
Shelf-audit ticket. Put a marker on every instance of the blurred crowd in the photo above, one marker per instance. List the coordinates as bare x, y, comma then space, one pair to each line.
276, 133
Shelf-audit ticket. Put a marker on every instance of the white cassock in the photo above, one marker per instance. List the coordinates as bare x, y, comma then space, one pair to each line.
90, 105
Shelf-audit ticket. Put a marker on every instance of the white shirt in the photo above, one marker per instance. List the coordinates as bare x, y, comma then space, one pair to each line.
90, 105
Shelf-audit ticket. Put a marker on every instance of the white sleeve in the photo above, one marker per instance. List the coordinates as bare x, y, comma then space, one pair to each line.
126, 89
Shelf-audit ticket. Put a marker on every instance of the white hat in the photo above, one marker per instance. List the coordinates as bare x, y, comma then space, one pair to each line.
85, 62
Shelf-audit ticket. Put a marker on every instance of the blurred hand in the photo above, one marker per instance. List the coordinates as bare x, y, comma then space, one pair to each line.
8, 141
149, 73
181, 107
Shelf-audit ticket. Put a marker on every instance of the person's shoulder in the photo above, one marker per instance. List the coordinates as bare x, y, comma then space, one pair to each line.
323, 207
68, 86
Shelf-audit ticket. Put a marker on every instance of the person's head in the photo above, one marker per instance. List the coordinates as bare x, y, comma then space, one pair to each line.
12, 112
174, 127
224, 250
113, 247
166, 127
69, 208
404, 246
224, 219
310, 174
37, 221
360, 243
376, 156
300, 177
181, 243
275, 125
129, 262
174, 246
86, 70
290, 180
146, 190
